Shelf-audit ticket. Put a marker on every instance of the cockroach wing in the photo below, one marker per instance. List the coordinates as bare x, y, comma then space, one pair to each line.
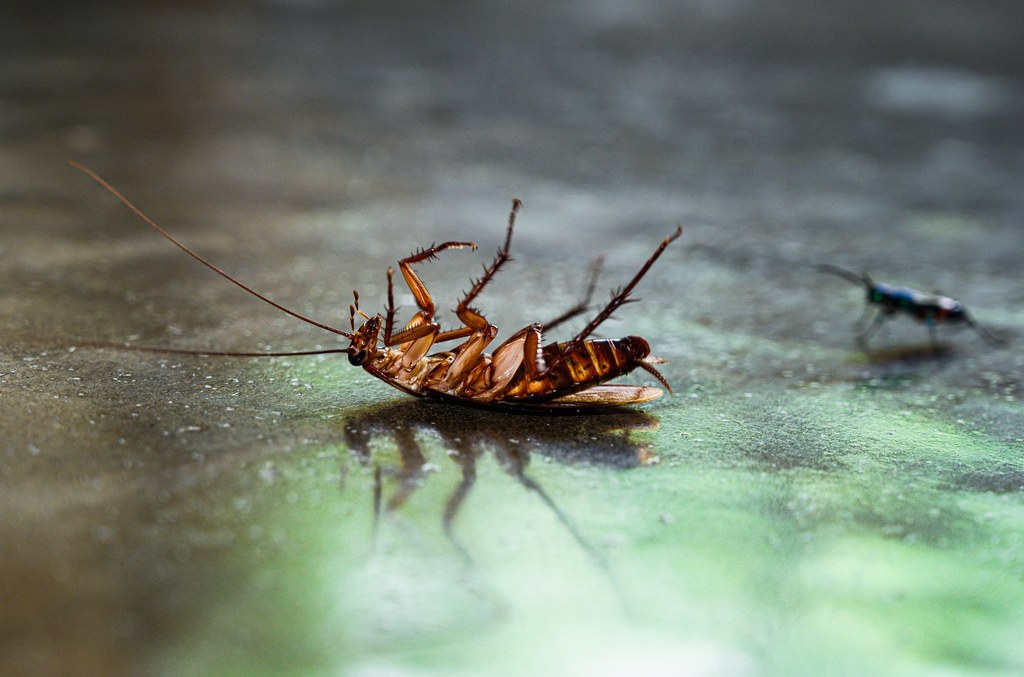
605, 395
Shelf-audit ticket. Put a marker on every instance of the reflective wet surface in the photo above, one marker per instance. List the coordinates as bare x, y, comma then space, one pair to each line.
797, 503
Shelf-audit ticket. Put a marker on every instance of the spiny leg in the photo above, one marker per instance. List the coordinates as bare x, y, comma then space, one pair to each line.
470, 316
422, 323
389, 313
418, 327
619, 297
416, 286
584, 303
479, 331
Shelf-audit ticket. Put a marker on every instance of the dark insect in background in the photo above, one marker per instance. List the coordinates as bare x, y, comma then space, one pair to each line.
887, 301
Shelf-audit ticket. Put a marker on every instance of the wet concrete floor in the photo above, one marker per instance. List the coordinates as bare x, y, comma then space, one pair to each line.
797, 502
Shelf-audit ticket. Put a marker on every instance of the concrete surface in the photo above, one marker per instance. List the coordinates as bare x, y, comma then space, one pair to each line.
797, 504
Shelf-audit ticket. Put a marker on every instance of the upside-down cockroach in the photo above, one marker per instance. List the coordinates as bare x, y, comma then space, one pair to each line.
521, 374
932, 309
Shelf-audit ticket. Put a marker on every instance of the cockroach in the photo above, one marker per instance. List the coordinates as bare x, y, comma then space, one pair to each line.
521, 374
887, 300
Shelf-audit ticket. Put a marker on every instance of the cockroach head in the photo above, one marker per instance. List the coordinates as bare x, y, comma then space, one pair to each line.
364, 340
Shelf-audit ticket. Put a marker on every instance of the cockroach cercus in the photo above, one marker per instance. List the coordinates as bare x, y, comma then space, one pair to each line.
522, 373
887, 301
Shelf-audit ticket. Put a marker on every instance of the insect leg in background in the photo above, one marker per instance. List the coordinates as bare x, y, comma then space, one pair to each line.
584, 303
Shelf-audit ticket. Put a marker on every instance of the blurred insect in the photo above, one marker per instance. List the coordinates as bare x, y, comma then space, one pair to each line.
521, 374
932, 309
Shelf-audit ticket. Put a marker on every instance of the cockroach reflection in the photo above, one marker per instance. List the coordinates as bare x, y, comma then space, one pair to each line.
523, 373
614, 442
